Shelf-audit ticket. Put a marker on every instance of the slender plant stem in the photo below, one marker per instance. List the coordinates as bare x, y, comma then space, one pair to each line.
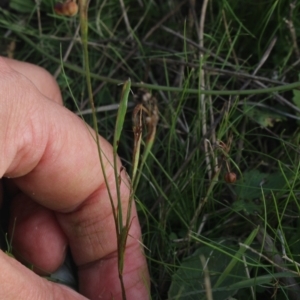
121, 231
83, 7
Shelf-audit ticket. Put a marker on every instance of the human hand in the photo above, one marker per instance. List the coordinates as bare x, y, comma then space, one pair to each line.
62, 200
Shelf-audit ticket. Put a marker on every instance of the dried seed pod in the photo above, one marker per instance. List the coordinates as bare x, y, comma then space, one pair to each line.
68, 9
230, 177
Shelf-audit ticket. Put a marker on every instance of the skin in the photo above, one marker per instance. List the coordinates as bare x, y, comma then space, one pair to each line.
59, 196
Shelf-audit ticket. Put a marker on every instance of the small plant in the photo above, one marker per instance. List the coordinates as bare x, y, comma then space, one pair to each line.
224, 212
146, 112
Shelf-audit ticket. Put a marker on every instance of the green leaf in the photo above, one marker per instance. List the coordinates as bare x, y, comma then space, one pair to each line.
296, 98
255, 183
264, 117
235, 260
248, 207
188, 281
249, 187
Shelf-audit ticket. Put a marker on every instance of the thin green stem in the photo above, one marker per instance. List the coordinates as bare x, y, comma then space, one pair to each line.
83, 7
122, 232
121, 235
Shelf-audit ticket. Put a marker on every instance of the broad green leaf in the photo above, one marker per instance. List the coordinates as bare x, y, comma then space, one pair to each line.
255, 183
188, 281
249, 187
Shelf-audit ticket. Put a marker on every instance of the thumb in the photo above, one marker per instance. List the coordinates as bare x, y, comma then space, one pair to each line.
18, 282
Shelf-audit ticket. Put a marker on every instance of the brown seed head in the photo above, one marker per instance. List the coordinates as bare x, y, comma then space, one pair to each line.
68, 9
230, 177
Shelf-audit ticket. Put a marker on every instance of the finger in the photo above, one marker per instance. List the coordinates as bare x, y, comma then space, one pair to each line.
43, 245
90, 226
18, 282
59, 168
43, 81
37, 238
135, 275
45, 252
